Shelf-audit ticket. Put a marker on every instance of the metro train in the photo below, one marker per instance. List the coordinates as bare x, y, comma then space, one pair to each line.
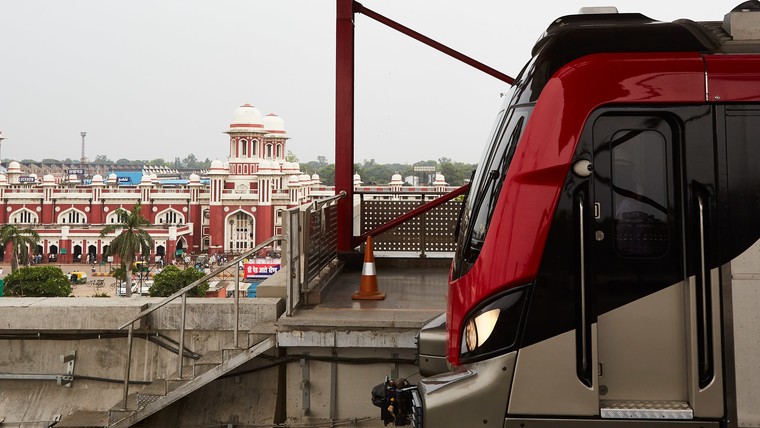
615, 205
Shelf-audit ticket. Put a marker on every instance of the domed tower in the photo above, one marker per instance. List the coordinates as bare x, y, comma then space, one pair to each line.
274, 140
246, 139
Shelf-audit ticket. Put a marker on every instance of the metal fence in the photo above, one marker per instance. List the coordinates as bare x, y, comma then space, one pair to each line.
429, 233
311, 255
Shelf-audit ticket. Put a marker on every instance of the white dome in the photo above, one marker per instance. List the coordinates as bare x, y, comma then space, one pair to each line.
73, 177
275, 165
246, 116
296, 166
274, 124
145, 179
287, 166
440, 180
357, 177
293, 180
97, 178
112, 176
33, 175
217, 164
226, 165
3, 178
48, 178
315, 177
195, 178
396, 179
14, 167
153, 177
304, 177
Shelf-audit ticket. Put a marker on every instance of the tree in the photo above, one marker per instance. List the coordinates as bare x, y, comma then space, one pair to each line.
291, 157
21, 241
156, 162
173, 279
103, 160
133, 239
37, 281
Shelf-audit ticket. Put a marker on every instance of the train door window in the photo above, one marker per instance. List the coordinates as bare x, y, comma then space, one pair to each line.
640, 193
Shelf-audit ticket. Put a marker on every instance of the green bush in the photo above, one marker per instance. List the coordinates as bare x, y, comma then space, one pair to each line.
37, 281
172, 279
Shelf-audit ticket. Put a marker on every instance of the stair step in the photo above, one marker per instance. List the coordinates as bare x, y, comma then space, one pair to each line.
84, 418
212, 358
157, 387
633, 409
117, 415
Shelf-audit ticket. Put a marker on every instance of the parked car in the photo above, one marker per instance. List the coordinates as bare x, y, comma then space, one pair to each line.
122, 289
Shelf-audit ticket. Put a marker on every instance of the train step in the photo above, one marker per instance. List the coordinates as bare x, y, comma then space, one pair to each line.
632, 409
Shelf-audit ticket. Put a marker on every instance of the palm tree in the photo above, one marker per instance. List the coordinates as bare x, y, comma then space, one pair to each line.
133, 239
21, 239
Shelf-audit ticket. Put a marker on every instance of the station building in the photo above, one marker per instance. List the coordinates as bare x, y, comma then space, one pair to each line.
228, 209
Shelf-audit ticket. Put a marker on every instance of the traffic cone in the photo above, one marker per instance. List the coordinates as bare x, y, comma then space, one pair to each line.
368, 287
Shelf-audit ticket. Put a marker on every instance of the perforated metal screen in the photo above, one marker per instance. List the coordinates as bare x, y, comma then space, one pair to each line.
431, 232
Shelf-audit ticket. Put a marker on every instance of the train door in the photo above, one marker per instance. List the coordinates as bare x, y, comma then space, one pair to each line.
645, 273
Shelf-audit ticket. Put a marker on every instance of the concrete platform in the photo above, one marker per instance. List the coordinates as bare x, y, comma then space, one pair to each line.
413, 297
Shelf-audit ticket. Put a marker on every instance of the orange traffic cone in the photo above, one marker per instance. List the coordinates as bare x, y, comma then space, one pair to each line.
368, 288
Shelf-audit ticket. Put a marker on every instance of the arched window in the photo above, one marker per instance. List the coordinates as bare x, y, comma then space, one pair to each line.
254, 147
72, 216
269, 151
112, 217
24, 216
170, 216
278, 149
243, 148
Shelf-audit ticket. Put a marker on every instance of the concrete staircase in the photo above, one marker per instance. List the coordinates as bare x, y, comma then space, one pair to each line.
163, 392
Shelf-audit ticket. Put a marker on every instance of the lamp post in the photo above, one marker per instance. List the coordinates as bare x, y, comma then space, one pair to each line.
82, 159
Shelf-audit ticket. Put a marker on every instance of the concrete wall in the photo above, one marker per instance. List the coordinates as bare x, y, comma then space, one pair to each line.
745, 271
35, 334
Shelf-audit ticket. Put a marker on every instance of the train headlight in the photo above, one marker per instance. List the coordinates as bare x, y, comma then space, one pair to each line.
492, 327
479, 329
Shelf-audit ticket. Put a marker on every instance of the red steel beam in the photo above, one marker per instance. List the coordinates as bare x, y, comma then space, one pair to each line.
359, 8
344, 120
411, 214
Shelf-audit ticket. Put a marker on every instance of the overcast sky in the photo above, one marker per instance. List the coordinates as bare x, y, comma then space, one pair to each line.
159, 79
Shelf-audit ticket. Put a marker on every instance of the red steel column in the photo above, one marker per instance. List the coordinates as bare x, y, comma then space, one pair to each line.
344, 120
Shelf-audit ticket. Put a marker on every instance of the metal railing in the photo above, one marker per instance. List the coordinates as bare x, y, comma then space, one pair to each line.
183, 294
311, 236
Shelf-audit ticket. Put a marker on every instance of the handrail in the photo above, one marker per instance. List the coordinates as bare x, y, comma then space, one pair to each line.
357, 240
319, 202
194, 284
183, 293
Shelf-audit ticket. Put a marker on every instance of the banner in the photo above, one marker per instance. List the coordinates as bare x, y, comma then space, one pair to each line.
260, 270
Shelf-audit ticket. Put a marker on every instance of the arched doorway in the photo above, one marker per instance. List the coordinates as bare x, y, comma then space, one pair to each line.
2, 253
240, 235
38, 254
53, 253
77, 253
92, 254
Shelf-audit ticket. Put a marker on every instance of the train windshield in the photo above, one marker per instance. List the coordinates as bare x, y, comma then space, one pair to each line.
487, 182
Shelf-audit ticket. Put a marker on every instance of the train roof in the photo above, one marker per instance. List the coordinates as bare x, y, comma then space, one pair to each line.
574, 36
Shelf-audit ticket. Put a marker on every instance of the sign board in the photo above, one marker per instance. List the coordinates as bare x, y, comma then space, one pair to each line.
122, 180
424, 168
110, 259
63, 251
76, 171
260, 270
27, 179
179, 251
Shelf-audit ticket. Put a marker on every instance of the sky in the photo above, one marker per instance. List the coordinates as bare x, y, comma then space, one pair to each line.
160, 79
